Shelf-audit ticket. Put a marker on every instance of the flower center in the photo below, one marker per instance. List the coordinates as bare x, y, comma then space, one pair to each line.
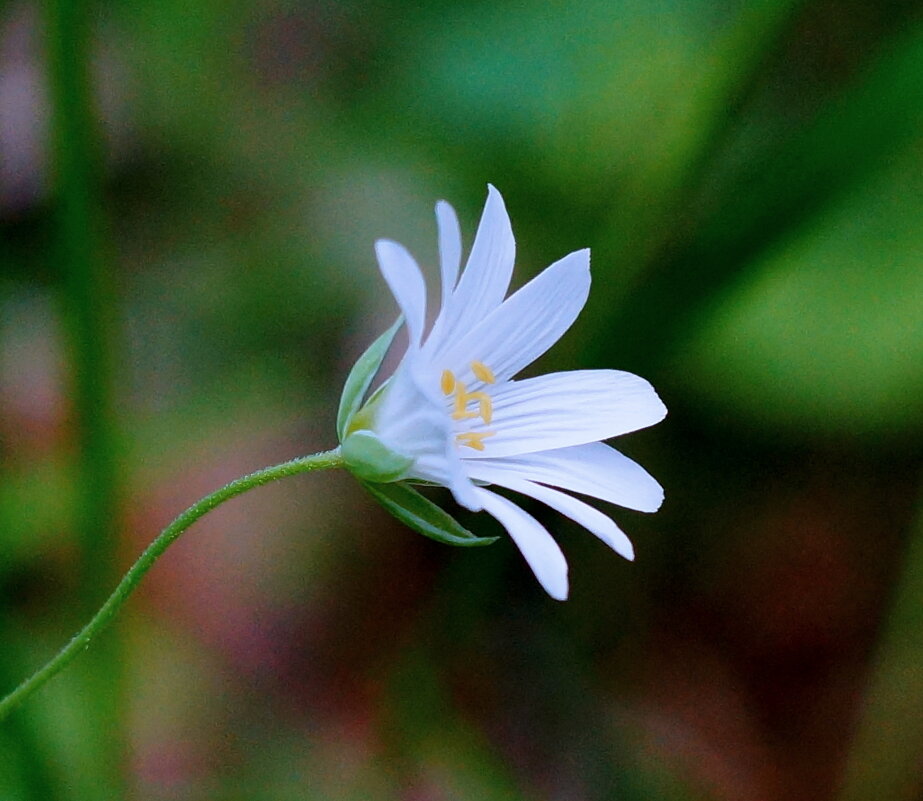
481, 401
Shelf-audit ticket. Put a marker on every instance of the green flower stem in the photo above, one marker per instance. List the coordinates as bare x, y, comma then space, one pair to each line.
305, 464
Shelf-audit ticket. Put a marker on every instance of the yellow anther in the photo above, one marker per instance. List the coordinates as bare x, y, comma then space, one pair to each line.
448, 382
486, 407
474, 439
483, 372
463, 398
460, 412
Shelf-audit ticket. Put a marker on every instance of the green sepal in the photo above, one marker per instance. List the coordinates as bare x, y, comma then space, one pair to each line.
423, 516
360, 377
368, 458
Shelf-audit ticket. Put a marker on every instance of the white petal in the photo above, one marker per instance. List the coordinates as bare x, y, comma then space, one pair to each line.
563, 409
528, 322
486, 278
585, 515
536, 544
449, 248
406, 420
405, 280
443, 469
594, 469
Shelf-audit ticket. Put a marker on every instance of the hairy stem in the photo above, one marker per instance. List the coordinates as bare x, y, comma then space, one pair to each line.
82, 640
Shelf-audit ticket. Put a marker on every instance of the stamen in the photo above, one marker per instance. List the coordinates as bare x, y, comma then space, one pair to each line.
483, 372
486, 407
450, 385
460, 412
474, 439
463, 398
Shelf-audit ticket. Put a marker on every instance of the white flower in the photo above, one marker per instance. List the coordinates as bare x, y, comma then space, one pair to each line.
455, 416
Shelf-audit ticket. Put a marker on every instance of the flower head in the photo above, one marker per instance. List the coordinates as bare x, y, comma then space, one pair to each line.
452, 413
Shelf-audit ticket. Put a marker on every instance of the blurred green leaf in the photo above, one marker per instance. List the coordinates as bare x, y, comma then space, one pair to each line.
423, 516
785, 188
599, 91
828, 332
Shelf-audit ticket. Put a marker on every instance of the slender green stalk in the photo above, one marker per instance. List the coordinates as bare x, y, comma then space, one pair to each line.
317, 461
85, 285
89, 310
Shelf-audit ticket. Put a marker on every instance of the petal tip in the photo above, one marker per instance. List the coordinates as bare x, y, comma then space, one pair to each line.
495, 198
577, 267
656, 501
659, 405
386, 248
585, 254
557, 587
555, 583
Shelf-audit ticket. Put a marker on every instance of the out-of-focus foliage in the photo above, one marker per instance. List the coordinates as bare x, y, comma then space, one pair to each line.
749, 176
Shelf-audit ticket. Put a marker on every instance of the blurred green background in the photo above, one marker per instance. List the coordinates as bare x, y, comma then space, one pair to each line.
189, 193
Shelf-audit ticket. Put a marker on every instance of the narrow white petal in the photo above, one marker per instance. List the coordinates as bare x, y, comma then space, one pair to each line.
536, 544
582, 513
486, 277
405, 280
594, 469
563, 409
449, 248
528, 322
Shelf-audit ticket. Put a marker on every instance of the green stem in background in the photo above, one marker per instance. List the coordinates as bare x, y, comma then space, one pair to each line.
884, 756
88, 311
305, 464
87, 297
